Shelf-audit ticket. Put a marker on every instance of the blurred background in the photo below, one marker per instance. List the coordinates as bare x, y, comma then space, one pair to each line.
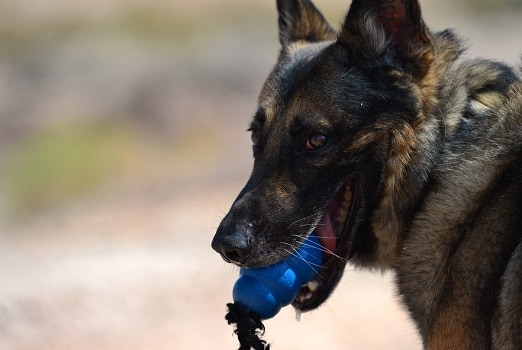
123, 144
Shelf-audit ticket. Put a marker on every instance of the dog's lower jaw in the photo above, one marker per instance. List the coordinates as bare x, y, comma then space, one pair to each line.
335, 231
315, 292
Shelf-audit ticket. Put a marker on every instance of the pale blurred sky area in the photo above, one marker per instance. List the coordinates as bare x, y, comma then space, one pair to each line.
122, 144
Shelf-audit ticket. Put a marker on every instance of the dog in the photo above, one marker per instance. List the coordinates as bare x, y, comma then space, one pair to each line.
401, 154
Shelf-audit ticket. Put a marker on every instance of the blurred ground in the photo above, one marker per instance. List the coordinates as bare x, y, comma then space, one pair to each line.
123, 143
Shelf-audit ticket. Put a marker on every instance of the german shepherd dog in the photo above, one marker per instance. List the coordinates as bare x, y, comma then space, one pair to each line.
400, 154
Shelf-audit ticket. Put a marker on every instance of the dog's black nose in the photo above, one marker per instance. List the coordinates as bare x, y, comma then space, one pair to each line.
234, 248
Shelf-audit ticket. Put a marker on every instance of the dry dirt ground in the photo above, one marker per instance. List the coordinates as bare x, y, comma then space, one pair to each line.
130, 267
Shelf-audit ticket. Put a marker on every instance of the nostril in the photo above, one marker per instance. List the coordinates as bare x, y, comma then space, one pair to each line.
232, 256
233, 248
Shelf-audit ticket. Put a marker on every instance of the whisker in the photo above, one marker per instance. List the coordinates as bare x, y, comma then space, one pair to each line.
314, 267
326, 250
319, 246
302, 219
298, 255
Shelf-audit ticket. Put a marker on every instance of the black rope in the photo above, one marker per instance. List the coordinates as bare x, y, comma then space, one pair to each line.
247, 324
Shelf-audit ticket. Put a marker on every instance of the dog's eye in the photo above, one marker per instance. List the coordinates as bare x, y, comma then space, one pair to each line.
316, 141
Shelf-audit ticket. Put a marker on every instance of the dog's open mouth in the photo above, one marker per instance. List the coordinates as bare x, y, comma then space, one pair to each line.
335, 233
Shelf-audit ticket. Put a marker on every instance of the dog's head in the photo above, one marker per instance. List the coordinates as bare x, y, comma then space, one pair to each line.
332, 135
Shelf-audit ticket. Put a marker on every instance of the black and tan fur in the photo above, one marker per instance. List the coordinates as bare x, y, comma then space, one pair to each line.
428, 143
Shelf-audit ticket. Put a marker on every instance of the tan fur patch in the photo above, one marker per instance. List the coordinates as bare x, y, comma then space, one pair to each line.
387, 225
395, 141
428, 87
449, 331
267, 104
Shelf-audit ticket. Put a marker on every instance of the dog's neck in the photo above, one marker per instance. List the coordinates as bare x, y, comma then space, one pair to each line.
447, 105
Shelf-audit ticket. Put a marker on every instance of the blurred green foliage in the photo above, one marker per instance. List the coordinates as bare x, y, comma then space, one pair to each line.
64, 160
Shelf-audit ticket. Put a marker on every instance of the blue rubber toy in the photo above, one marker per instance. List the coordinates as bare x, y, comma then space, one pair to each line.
266, 290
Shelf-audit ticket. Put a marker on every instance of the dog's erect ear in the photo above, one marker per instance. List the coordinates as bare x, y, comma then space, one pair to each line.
388, 29
300, 20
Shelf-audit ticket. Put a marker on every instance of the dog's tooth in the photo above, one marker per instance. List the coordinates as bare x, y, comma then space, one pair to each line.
348, 195
344, 209
342, 214
312, 285
308, 296
347, 200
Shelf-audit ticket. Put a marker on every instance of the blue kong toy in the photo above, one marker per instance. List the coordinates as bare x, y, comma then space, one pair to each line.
260, 293
266, 290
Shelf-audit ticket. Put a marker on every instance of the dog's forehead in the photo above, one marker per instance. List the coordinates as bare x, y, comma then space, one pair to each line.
289, 70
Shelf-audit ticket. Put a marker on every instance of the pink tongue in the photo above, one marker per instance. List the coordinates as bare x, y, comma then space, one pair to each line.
326, 233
